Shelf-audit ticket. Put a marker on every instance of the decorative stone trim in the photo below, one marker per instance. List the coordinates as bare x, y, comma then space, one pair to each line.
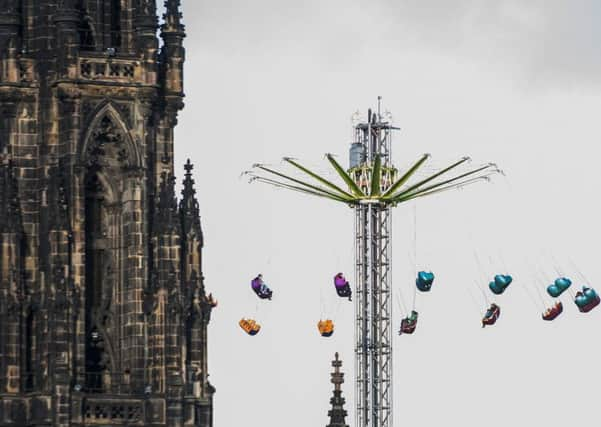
108, 69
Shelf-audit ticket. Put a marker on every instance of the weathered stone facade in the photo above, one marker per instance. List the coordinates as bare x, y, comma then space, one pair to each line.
103, 310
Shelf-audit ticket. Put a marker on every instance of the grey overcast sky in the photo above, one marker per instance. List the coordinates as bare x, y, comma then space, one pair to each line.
509, 81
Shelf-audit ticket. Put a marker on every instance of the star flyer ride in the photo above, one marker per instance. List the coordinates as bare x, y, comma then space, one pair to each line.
372, 186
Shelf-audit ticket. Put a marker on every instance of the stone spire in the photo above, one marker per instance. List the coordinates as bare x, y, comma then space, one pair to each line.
188, 206
337, 414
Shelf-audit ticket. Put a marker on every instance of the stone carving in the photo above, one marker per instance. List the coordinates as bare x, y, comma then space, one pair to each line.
107, 143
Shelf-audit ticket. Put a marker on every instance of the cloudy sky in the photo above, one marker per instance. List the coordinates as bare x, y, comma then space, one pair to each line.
513, 82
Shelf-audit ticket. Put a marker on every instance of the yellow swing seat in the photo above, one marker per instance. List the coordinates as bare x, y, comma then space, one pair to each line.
325, 327
250, 326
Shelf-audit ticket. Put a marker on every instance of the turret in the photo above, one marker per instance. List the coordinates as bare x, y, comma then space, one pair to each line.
173, 52
173, 56
146, 25
171, 66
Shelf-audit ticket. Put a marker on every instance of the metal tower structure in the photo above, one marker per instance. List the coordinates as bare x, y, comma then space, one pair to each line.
375, 186
373, 308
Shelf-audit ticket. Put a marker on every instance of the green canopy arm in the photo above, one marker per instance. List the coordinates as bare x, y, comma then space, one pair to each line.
318, 178
345, 176
430, 178
304, 184
427, 190
406, 176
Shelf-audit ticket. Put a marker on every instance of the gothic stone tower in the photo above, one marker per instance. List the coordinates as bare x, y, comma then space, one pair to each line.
103, 310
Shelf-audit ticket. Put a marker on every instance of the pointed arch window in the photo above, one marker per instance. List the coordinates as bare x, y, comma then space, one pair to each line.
109, 156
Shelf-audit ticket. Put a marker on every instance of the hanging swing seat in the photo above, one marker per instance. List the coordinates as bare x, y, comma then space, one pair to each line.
343, 289
500, 283
409, 323
587, 299
424, 281
250, 326
260, 288
491, 316
559, 286
325, 327
553, 312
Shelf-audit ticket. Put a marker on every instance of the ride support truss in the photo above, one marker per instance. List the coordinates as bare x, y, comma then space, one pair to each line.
373, 301
373, 332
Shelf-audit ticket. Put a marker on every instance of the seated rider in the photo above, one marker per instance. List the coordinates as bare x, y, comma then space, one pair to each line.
259, 285
343, 288
340, 281
409, 323
491, 311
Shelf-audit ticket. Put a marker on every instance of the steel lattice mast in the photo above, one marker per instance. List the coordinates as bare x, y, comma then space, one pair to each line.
373, 331
375, 186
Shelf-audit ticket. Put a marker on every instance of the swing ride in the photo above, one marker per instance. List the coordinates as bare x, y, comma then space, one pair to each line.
373, 187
